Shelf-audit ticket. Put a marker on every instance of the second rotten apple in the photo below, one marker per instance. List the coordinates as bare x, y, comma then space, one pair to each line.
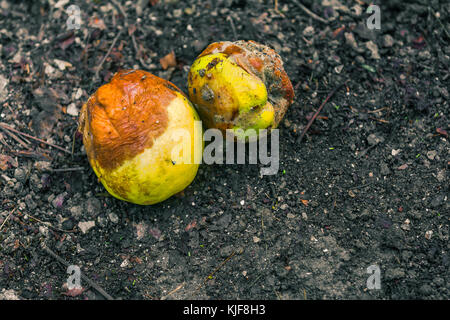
241, 86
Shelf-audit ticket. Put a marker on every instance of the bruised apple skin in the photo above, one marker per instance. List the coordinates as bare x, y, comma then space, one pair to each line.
240, 85
131, 127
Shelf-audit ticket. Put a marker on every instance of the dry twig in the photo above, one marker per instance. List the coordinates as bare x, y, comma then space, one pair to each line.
309, 12
217, 269
5, 126
85, 278
12, 135
173, 291
48, 224
379, 120
318, 111
65, 169
107, 54
133, 38
6, 219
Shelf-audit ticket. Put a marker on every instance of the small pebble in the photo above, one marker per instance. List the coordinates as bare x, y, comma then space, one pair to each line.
373, 48
388, 41
85, 226
308, 31
431, 154
113, 217
72, 110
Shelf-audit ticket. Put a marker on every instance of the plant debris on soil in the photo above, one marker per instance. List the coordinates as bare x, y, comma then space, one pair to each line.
367, 185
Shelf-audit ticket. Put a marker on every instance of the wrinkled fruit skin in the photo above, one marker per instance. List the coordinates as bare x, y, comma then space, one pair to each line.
240, 85
129, 129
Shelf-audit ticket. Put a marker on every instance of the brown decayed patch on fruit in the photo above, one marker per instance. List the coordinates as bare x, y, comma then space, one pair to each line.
123, 117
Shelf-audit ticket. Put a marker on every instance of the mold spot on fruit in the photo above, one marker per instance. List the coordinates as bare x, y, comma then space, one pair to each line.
212, 64
207, 93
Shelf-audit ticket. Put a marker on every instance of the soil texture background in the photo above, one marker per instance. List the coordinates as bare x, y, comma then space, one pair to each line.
366, 186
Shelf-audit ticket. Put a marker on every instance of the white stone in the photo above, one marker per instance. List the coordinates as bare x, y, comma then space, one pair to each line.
72, 110
124, 263
3, 90
8, 295
61, 64
85, 226
61, 3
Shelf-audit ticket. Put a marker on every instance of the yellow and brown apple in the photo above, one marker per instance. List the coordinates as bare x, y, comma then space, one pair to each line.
240, 85
131, 127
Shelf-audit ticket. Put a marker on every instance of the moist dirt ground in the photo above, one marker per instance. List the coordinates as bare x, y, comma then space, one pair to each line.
365, 189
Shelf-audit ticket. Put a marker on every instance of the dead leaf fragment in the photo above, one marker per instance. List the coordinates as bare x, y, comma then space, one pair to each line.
67, 41
61, 64
168, 60
191, 225
74, 292
338, 31
442, 132
98, 23
5, 160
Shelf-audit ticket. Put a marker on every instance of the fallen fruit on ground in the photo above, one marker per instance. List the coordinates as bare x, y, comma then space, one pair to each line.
142, 137
240, 85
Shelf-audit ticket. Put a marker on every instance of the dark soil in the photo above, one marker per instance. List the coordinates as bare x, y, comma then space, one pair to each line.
368, 184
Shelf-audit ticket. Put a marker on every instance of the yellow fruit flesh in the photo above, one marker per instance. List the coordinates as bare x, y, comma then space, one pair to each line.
248, 124
152, 176
224, 92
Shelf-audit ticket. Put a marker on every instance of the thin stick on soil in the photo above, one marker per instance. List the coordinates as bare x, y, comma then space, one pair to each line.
73, 142
317, 112
360, 186
138, 52
66, 169
377, 110
230, 19
2, 141
85, 278
5, 126
107, 54
30, 154
217, 269
12, 135
122, 11
6, 219
309, 12
48, 224
173, 291
133, 38
379, 120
